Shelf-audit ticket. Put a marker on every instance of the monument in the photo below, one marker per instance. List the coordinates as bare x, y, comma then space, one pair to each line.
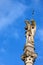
29, 54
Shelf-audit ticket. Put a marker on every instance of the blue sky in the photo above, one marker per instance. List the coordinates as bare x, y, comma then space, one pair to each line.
12, 33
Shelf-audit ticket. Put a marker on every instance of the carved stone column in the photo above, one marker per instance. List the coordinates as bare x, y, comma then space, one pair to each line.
29, 55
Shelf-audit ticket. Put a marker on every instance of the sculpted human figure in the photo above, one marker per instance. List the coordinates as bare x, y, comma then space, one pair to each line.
30, 30
29, 54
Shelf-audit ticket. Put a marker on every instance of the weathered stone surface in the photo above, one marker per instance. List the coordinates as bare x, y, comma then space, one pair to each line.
29, 54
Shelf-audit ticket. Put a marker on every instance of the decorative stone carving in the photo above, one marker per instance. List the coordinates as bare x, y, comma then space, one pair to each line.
29, 55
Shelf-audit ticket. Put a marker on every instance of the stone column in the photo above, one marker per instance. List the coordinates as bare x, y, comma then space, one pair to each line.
29, 55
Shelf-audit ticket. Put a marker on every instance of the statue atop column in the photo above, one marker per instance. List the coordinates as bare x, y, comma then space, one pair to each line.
29, 54
30, 30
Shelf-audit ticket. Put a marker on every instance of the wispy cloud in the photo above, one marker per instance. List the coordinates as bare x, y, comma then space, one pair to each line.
9, 12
